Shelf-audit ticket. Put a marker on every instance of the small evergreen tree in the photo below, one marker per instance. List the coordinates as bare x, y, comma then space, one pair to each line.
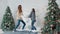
8, 21
52, 19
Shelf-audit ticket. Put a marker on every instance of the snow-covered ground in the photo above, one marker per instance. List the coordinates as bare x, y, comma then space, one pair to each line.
1, 31
20, 31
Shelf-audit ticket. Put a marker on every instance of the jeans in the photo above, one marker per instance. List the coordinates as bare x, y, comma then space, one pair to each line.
19, 24
33, 27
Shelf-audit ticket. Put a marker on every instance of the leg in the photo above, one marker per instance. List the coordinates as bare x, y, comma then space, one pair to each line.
33, 27
17, 24
23, 24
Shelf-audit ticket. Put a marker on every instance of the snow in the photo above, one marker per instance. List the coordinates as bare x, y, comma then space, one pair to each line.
1, 31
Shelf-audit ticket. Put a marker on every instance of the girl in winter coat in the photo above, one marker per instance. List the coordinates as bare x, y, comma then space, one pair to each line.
33, 18
19, 17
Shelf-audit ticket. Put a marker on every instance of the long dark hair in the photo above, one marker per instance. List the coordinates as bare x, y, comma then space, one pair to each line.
33, 9
20, 8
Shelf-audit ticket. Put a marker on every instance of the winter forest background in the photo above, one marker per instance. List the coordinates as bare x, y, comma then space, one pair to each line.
27, 5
